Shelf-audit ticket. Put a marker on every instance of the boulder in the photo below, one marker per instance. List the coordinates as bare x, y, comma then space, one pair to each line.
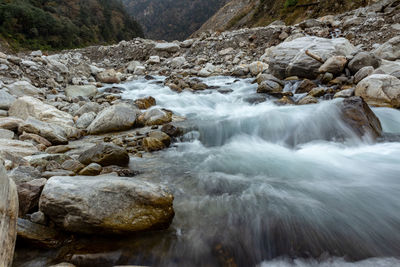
17, 148
108, 76
106, 204
88, 107
257, 67
363, 59
145, 103
6, 134
85, 120
156, 141
389, 50
334, 65
35, 138
132, 66
290, 59
380, 90
23, 88
24, 174
177, 62
305, 86
317, 92
269, 87
153, 60
363, 73
6, 100
10, 123
8, 217
167, 47
28, 195
92, 169
356, 113
72, 165
105, 154
28, 106
38, 235
118, 117
155, 116
80, 90
344, 93
307, 100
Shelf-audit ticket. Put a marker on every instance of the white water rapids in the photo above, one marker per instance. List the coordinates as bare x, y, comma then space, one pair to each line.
267, 185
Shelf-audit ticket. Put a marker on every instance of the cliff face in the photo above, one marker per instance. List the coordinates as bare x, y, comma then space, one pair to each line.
253, 13
172, 19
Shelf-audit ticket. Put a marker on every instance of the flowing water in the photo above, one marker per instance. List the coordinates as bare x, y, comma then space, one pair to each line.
267, 185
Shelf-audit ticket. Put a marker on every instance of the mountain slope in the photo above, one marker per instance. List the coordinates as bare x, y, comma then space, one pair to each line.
57, 24
253, 13
172, 19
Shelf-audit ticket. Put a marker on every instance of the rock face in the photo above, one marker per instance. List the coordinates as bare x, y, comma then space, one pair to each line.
360, 118
106, 204
28, 106
380, 90
105, 154
289, 58
115, 118
8, 217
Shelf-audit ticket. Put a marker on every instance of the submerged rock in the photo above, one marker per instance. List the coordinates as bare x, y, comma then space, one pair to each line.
106, 204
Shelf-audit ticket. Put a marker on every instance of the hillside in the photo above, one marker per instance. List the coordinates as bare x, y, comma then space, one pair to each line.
172, 19
58, 24
254, 13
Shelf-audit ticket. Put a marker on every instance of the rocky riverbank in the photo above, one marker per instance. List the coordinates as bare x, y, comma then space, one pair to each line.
67, 135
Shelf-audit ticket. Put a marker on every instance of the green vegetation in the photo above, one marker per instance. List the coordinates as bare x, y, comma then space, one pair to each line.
59, 24
290, 3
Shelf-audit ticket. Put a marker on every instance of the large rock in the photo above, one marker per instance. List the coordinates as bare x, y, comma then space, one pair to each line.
389, 50
38, 235
8, 217
380, 90
156, 141
17, 148
356, 113
167, 47
80, 90
28, 195
28, 106
108, 76
105, 154
363, 59
119, 117
289, 58
155, 116
106, 204
6, 100
334, 65
10, 123
23, 88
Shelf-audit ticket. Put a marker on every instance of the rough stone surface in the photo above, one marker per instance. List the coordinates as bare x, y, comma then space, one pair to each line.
105, 154
38, 235
80, 90
28, 195
389, 50
106, 204
6, 100
289, 58
334, 65
363, 59
363, 73
6, 134
17, 148
115, 118
380, 90
8, 217
23, 88
91, 170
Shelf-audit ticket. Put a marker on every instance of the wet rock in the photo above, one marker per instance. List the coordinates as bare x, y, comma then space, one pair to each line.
307, 100
171, 130
108, 76
289, 58
28, 106
344, 93
105, 154
80, 90
17, 148
156, 141
285, 100
363, 73
38, 235
389, 50
23, 88
334, 65
363, 59
269, 87
317, 92
92, 169
6, 100
106, 204
359, 117
305, 86
8, 217
380, 90
28, 195
145, 103
119, 117
156, 116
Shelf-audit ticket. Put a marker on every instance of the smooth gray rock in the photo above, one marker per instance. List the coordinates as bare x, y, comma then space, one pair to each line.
23, 88
8, 217
105, 154
363, 59
106, 204
85, 120
389, 50
119, 117
289, 58
6, 100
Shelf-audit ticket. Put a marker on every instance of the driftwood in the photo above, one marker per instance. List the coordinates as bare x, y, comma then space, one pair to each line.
314, 56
